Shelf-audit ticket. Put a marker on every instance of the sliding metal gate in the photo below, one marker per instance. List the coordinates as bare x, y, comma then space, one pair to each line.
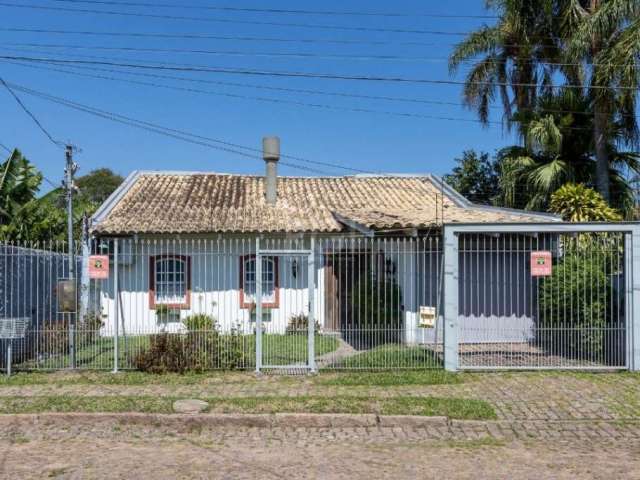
542, 297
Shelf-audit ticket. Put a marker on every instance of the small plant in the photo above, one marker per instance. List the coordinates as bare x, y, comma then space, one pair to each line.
199, 322
166, 353
299, 324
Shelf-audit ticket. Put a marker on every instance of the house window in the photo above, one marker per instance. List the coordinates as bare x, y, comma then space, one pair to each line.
170, 281
269, 281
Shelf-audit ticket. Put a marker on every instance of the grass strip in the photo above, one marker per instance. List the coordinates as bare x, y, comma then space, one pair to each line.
458, 408
389, 379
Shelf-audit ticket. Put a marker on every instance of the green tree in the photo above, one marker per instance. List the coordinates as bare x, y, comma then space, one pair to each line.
97, 185
475, 176
508, 56
28, 218
604, 36
578, 203
558, 148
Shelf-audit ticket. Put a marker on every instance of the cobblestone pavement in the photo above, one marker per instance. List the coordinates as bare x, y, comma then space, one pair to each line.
113, 450
516, 396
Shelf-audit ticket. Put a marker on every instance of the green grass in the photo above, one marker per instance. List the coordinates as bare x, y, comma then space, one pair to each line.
277, 350
392, 356
388, 379
457, 408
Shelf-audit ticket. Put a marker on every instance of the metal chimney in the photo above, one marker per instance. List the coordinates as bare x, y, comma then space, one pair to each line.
271, 155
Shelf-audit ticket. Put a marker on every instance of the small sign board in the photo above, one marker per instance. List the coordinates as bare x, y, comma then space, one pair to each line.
13, 328
67, 297
99, 267
541, 264
427, 317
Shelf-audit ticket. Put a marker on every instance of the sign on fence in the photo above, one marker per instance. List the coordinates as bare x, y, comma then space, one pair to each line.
427, 317
541, 264
99, 267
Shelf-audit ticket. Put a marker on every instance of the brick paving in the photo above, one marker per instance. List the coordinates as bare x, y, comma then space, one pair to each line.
515, 396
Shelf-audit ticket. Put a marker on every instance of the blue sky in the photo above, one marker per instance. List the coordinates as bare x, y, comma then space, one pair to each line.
368, 141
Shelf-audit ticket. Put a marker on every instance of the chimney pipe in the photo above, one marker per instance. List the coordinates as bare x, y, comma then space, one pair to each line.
271, 155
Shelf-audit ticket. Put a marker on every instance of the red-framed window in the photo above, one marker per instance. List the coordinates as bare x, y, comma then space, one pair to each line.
170, 281
270, 282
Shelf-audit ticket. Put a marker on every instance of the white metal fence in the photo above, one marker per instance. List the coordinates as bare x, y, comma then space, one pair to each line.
329, 302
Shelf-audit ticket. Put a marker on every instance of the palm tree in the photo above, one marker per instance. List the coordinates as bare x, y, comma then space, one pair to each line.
509, 56
604, 35
558, 149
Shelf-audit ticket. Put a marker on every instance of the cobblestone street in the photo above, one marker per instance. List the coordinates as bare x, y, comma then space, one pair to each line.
548, 425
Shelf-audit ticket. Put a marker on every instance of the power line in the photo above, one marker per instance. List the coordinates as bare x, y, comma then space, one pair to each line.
4, 147
240, 38
298, 103
294, 90
207, 36
226, 146
305, 55
233, 21
289, 74
28, 112
279, 10
267, 99
247, 85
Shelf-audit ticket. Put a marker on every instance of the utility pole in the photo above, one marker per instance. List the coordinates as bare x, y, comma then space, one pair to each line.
69, 171
69, 187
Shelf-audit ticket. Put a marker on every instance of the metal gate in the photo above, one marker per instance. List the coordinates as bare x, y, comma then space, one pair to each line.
285, 323
557, 297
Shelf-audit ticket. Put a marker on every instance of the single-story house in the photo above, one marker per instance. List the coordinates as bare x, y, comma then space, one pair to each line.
187, 245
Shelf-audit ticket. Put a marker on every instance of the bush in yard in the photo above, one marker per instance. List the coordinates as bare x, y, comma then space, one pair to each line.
54, 339
166, 353
299, 324
376, 311
198, 350
199, 322
576, 299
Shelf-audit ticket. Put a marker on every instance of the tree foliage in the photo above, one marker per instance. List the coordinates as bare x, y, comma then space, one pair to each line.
475, 176
536, 45
27, 217
577, 203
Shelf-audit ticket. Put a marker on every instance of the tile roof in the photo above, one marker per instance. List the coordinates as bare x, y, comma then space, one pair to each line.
156, 202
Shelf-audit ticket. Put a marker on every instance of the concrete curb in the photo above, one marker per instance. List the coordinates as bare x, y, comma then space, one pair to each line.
212, 420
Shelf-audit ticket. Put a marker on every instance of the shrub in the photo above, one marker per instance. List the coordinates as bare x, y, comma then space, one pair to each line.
299, 324
195, 351
199, 322
575, 302
166, 353
376, 310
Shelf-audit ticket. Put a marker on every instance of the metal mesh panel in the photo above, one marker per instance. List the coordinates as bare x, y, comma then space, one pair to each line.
517, 312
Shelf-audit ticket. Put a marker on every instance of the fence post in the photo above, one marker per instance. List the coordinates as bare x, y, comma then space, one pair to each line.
116, 302
634, 310
84, 273
450, 320
312, 303
258, 300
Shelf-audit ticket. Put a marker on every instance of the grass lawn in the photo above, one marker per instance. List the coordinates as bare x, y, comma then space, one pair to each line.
392, 356
277, 350
458, 408
389, 379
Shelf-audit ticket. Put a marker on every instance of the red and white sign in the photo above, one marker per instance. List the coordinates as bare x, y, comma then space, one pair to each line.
99, 267
541, 264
